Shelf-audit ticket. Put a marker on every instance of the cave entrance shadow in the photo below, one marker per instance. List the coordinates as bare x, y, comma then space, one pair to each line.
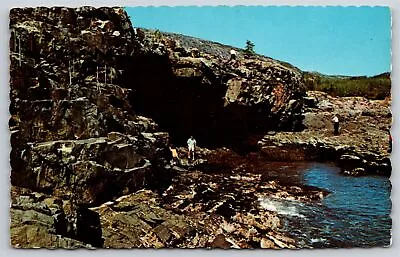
195, 106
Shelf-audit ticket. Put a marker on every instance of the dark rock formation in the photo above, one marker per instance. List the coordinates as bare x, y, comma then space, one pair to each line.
220, 102
58, 74
39, 220
137, 220
361, 148
74, 134
94, 170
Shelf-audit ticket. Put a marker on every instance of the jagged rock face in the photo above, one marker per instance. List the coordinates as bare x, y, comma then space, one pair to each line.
55, 67
361, 148
39, 220
67, 70
74, 134
75, 75
217, 100
136, 220
182, 219
94, 170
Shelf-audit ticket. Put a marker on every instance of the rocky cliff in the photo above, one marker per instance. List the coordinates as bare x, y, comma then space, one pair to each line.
74, 134
362, 146
204, 93
85, 87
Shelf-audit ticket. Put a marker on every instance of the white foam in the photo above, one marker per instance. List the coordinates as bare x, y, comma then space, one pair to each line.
280, 206
318, 240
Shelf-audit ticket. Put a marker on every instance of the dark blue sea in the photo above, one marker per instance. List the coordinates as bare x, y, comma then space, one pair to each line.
355, 214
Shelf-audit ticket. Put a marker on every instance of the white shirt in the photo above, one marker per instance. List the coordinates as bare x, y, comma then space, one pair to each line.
335, 119
191, 142
233, 52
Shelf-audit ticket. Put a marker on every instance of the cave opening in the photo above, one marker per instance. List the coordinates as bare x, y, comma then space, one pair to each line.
186, 106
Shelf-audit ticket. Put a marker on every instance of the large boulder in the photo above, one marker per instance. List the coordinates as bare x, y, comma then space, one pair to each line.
91, 170
136, 220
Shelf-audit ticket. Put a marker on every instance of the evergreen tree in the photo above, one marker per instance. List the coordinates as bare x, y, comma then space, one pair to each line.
249, 49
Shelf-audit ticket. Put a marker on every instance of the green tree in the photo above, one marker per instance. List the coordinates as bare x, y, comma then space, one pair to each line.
249, 49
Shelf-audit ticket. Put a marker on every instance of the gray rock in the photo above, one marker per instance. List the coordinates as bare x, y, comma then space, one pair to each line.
39, 220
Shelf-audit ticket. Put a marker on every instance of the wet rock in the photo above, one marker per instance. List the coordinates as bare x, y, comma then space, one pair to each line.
349, 161
281, 241
225, 208
355, 172
263, 221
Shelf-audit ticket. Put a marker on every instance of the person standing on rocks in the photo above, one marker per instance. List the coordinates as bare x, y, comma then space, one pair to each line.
191, 145
233, 54
335, 121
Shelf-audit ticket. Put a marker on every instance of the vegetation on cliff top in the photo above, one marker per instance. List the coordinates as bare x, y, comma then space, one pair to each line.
376, 87
249, 49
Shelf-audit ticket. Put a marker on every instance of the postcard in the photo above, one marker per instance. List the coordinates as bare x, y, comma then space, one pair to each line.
233, 127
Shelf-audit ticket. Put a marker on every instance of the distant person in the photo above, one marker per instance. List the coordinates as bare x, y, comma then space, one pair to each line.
233, 54
174, 154
335, 121
191, 146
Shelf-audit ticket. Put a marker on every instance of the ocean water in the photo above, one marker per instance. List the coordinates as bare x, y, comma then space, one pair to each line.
355, 214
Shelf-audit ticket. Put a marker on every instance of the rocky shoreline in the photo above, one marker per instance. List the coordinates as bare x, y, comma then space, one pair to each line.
95, 104
209, 203
361, 148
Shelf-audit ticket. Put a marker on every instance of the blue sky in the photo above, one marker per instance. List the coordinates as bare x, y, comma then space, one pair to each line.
330, 40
